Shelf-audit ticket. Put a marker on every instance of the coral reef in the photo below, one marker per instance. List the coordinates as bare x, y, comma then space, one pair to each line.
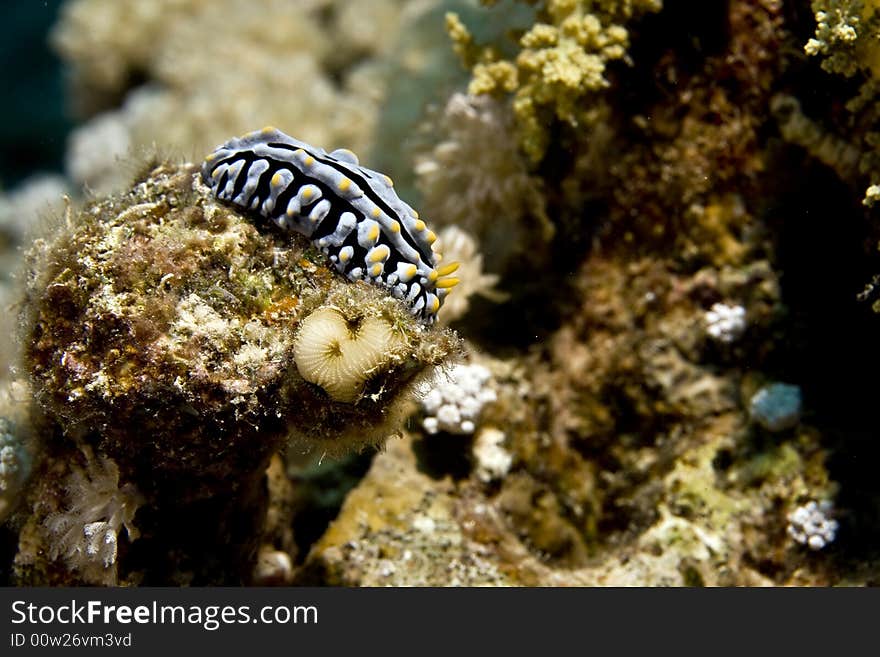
475, 180
844, 36
400, 527
690, 158
659, 215
686, 493
561, 62
622, 448
161, 60
164, 310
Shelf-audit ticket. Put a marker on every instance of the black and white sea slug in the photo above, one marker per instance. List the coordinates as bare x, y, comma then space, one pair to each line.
349, 212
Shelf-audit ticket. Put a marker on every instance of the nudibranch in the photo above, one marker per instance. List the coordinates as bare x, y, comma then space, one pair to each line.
351, 213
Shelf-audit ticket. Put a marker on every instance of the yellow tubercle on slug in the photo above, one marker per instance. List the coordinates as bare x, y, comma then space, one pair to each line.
380, 254
447, 283
445, 270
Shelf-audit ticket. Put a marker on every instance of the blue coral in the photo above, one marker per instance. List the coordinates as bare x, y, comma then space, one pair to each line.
15, 464
777, 406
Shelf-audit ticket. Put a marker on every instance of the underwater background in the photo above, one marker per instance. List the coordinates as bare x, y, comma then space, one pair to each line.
654, 364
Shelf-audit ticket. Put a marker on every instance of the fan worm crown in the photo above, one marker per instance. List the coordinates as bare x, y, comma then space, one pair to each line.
351, 213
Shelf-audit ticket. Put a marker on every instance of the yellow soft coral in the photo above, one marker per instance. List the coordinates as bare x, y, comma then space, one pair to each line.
562, 60
847, 36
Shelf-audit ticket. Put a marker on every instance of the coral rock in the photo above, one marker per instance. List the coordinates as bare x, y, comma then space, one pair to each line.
167, 311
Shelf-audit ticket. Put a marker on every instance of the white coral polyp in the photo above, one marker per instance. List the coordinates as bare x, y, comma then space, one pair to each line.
86, 533
812, 525
457, 401
725, 323
101, 541
493, 460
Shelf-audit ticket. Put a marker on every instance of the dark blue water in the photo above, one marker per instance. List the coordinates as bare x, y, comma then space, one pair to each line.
33, 119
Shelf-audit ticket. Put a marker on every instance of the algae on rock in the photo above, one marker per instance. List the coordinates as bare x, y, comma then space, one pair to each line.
160, 332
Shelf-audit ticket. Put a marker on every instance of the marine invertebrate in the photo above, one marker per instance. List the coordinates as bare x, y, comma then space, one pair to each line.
812, 524
725, 323
561, 61
455, 402
86, 533
169, 311
846, 36
348, 211
313, 66
164, 330
476, 180
777, 406
461, 247
331, 352
493, 460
